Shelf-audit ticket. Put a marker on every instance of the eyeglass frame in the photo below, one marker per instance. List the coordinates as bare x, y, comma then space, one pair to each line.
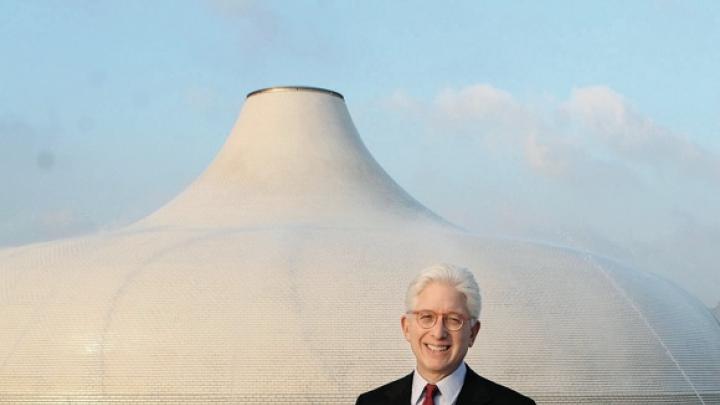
437, 315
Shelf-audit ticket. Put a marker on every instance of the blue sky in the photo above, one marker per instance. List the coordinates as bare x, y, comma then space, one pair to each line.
589, 124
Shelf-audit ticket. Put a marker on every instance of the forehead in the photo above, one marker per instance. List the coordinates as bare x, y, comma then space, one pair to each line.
441, 297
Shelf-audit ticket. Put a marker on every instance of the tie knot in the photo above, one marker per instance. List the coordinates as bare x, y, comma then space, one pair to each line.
430, 390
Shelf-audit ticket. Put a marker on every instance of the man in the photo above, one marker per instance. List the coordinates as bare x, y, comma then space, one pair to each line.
441, 323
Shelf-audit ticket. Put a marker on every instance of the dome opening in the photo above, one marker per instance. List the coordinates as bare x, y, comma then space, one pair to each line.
294, 88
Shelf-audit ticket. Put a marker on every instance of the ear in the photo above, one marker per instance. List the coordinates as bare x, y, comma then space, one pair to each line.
474, 332
405, 325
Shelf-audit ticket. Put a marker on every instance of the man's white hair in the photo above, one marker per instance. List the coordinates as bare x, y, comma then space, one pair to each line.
458, 277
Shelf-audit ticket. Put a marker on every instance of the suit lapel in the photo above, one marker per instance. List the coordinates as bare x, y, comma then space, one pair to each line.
400, 393
474, 390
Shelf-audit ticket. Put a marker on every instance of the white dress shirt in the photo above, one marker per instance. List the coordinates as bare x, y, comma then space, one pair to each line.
449, 387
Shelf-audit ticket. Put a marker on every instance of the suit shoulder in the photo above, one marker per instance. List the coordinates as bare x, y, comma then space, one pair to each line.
500, 393
384, 394
508, 395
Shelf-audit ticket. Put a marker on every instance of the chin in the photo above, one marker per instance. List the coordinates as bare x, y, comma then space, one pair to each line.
438, 367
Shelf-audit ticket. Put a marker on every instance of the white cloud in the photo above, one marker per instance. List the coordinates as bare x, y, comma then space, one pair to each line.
479, 110
606, 115
479, 102
595, 127
543, 157
590, 171
400, 101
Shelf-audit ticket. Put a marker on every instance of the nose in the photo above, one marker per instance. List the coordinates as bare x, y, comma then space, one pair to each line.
438, 330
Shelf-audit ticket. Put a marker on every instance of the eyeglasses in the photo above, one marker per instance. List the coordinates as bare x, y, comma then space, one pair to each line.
427, 319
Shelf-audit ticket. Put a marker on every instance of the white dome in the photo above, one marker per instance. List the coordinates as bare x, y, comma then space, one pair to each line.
279, 275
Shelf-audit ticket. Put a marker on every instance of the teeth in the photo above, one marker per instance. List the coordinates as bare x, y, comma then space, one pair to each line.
437, 348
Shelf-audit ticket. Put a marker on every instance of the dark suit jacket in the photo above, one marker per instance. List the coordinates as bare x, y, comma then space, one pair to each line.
475, 391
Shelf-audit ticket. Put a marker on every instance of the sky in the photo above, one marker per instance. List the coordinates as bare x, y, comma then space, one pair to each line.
592, 124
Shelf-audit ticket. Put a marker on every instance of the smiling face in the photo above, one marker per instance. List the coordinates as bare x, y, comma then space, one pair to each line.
438, 350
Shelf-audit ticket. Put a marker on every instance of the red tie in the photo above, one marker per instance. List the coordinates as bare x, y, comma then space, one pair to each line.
429, 392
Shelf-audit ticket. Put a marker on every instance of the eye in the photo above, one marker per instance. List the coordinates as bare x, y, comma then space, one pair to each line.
426, 316
454, 321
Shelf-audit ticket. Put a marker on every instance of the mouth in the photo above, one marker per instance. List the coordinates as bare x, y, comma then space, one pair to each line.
437, 348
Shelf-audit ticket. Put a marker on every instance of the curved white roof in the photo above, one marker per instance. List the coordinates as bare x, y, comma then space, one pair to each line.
278, 277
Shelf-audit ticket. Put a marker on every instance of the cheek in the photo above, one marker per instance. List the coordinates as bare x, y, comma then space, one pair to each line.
413, 336
464, 340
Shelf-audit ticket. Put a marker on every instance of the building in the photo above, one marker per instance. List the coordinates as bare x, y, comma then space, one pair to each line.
278, 276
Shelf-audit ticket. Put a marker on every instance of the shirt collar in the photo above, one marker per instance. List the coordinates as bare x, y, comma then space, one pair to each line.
449, 386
